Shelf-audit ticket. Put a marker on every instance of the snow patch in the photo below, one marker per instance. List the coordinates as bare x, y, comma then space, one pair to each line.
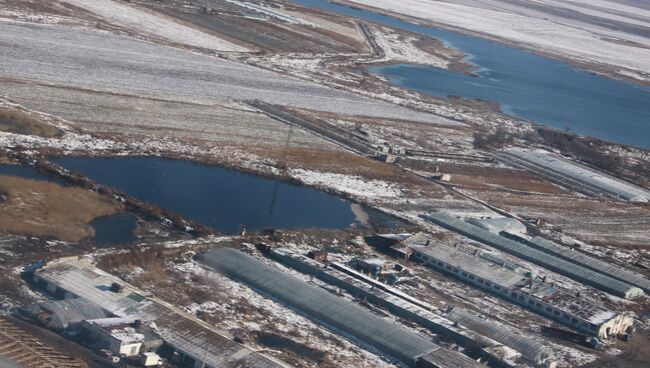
353, 185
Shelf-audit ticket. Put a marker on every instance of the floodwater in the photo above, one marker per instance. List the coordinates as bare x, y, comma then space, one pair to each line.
221, 199
526, 85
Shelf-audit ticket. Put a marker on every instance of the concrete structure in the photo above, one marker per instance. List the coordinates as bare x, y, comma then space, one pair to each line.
62, 314
345, 317
122, 336
529, 292
556, 264
458, 325
150, 360
74, 277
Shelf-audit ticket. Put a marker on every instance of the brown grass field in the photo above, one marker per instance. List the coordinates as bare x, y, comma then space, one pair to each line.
17, 122
39, 208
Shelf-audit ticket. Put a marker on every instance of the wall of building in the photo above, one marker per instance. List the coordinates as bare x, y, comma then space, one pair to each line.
535, 304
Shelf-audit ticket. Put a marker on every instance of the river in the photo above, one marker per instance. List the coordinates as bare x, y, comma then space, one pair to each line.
526, 85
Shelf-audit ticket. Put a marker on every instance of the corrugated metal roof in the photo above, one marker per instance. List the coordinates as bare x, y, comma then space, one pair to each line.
576, 272
179, 329
347, 317
531, 349
487, 270
73, 310
595, 264
583, 174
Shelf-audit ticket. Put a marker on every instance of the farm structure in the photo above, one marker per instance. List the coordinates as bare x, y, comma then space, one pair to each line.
548, 261
573, 175
123, 336
74, 277
20, 349
456, 324
587, 261
64, 314
343, 316
523, 289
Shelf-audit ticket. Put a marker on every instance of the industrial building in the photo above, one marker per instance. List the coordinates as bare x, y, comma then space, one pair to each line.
530, 292
582, 259
74, 277
344, 316
64, 314
497, 225
456, 324
557, 167
549, 261
122, 336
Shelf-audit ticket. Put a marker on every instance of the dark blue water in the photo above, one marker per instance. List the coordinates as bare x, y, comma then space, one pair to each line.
27, 172
527, 86
109, 230
115, 229
216, 197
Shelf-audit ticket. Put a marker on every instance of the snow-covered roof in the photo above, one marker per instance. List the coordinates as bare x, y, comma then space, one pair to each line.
315, 302
178, 329
549, 261
583, 174
497, 225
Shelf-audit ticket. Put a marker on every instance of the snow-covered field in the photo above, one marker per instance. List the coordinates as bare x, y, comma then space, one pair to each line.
599, 32
153, 24
84, 58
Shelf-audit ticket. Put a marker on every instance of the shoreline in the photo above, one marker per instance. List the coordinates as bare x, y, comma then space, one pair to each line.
607, 71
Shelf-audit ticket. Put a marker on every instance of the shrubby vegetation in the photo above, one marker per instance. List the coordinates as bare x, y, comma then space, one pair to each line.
20, 123
39, 208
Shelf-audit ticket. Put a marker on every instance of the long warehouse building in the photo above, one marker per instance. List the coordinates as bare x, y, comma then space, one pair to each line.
549, 261
457, 324
558, 165
582, 259
344, 316
529, 292
199, 344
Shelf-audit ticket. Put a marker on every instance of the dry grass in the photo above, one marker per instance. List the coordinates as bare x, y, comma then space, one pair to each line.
38, 208
21, 123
